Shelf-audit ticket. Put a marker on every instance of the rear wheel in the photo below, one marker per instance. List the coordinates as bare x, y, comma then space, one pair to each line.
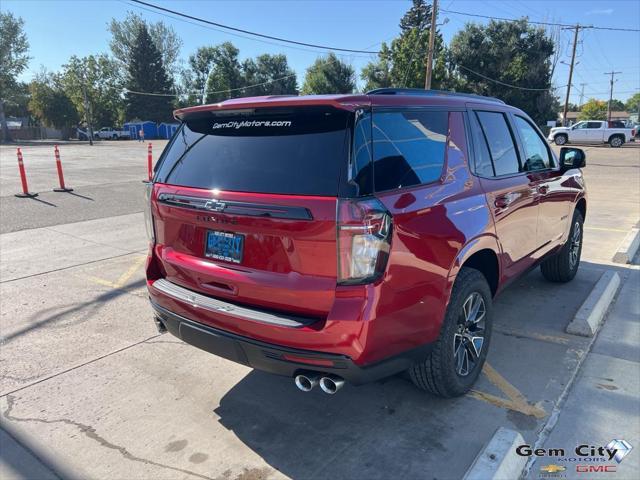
563, 266
616, 141
560, 139
456, 360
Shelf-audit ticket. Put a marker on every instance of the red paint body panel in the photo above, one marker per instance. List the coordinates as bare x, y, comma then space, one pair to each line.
291, 265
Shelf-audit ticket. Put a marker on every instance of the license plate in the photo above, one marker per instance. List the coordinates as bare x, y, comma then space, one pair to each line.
224, 246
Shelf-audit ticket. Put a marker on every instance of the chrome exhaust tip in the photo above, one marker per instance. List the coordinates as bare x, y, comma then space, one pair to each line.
331, 384
306, 382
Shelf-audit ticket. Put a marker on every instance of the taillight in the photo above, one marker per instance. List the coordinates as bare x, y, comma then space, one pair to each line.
148, 216
364, 240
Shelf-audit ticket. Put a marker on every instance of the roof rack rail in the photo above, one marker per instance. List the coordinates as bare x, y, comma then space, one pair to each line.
427, 93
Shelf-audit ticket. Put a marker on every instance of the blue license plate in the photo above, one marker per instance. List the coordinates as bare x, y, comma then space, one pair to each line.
224, 246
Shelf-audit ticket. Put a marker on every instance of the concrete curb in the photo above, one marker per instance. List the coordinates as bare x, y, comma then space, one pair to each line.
498, 459
628, 248
590, 315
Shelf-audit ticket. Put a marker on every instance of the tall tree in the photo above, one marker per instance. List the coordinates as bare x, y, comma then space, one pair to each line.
201, 63
123, 42
513, 53
94, 87
271, 75
50, 104
329, 75
225, 75
403, 63
593, 110
149, 95
617, 105
14, 58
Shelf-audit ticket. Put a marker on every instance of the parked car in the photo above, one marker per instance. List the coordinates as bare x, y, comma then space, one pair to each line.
591, 131
351, 237
109, 133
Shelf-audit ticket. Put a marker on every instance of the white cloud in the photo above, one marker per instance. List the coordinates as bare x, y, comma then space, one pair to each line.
602, 11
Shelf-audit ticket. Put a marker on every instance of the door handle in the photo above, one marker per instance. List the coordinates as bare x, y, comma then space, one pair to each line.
543, 189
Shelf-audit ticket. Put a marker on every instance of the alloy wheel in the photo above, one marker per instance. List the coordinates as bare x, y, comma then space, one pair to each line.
574, 247
468, 339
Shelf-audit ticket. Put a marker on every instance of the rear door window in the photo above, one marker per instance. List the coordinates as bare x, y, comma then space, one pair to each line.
408, 148
294, 151
537, 155
500, 142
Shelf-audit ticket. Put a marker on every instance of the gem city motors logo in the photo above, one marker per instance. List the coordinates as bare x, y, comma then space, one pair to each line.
587, 458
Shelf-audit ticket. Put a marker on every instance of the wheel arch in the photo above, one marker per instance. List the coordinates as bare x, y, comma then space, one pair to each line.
581, 206
619, 135
481, 254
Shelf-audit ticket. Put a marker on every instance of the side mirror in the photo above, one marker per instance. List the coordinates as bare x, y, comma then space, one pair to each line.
572, 158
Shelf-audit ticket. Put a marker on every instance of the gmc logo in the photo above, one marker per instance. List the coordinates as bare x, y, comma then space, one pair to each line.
595, 468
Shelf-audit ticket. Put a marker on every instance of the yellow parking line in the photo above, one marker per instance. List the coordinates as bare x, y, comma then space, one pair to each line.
516, 400
124, 278
602, 229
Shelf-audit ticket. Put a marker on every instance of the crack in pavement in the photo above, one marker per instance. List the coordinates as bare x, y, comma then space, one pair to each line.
91, 433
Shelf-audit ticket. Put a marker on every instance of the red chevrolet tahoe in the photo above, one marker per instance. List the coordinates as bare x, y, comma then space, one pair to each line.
352, 237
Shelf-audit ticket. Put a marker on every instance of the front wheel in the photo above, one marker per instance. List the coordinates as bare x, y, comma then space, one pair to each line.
457, 358
560, 139
563, 266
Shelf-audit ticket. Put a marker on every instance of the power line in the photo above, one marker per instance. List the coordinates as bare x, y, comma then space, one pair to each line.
525, 19
256, 34
508, 84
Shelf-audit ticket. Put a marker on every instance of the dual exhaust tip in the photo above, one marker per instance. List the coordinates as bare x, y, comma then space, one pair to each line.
329, 384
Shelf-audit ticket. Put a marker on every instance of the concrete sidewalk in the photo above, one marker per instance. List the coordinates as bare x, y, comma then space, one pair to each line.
603, 403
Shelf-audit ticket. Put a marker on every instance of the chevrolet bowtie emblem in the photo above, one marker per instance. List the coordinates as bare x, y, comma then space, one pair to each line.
553, 468
215, 205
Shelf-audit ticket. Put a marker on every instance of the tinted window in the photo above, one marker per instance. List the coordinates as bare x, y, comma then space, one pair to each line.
408, 148
501, 146
594, 124
535, 148
360, 174
483, 164
297, 151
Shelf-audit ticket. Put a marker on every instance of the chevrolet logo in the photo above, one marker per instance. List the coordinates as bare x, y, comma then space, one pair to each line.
552, 468
215, 205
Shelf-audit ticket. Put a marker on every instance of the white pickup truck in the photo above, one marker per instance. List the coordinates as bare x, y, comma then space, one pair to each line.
591, 131
108, 133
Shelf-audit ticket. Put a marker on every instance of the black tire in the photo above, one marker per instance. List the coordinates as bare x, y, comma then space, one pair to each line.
563, 266
561, 139
439, 373
616, 141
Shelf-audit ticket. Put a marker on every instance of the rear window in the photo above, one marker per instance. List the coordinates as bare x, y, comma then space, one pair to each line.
294, 151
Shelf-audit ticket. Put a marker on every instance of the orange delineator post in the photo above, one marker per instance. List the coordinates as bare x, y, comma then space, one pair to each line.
150, 162
23, 179
62, 187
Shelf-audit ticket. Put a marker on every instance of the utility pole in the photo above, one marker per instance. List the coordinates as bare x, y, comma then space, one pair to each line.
573, 59
612, 73
581, 95
432, 38
87, 108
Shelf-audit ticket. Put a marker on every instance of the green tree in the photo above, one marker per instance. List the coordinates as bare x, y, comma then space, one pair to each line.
225, 75
14, 58
149, 95
94, 87
50, 104
593, 110
271, 75
403, 63
513, 53
617, 105
201, 63
124, 42
329, 75
633, 104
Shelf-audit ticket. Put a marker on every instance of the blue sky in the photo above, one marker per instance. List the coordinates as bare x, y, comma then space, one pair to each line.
59, 29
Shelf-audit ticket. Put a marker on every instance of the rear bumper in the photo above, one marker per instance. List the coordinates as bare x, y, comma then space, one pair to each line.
272, 358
